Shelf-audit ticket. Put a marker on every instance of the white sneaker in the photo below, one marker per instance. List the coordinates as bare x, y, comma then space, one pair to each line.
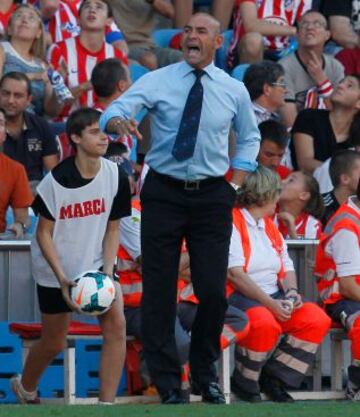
352, 392
23, 396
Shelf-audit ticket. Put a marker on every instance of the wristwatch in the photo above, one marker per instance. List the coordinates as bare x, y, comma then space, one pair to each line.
234, 186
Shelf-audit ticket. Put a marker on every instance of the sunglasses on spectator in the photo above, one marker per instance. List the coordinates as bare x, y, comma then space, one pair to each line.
279, 84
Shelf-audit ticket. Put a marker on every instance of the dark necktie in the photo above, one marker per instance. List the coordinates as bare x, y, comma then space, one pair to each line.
186, 138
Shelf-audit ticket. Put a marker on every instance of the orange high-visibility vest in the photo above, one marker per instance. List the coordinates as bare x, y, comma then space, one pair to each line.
273, 234
130, 280
325, 267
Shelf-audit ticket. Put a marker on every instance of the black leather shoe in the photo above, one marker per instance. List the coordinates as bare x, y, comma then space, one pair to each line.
211, 393
171, 396
274, 389
244, 395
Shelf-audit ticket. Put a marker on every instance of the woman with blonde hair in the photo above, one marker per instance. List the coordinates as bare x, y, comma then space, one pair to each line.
24, 51
284, 337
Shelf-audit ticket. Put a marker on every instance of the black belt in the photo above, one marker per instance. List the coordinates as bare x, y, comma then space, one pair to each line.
187, 185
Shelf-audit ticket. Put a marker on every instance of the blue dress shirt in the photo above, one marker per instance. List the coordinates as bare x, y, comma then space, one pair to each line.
226, 103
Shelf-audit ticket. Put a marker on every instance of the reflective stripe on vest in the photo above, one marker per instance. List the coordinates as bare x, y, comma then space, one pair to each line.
272, 233
325, 268
130, 279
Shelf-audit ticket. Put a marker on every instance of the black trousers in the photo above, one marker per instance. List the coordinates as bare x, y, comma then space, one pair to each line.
202, 216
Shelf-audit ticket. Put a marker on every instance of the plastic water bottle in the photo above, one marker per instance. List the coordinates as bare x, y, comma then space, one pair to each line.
62, 92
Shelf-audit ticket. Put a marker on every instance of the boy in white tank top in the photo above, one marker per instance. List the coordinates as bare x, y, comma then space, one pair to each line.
79, 204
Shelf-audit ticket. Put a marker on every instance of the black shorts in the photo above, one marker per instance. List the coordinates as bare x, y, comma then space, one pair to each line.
51, 300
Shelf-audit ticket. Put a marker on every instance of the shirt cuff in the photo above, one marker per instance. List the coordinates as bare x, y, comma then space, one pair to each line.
247, 166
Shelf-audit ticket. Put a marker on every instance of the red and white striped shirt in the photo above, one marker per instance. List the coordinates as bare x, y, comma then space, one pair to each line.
307, 227
63, 24
80, 62
282, 12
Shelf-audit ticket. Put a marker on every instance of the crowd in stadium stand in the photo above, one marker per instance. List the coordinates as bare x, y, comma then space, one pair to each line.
300, 63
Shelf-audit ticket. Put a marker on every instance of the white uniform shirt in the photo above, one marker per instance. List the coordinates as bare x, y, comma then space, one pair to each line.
344, 249
81, 216
264, 263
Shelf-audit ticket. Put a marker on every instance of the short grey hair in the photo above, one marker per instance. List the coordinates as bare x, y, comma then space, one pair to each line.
259, 187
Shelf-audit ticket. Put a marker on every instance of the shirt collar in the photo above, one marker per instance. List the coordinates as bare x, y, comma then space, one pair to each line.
186, 69
262, 110
352, 204
260, 224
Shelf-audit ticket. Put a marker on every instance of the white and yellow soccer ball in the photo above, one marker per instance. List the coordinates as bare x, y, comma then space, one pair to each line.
94, 292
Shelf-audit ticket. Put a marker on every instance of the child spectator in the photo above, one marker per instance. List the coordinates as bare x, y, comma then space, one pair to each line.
344, 170
300, 207
76, 57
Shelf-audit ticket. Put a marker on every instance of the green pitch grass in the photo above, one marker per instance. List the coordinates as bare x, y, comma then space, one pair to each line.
299, 409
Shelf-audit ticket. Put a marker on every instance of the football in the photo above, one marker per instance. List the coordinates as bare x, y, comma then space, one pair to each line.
94, 292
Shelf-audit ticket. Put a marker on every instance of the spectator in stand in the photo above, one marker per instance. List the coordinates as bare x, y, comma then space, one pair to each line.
24, 52
60, 20
14, 189
137, 19
344, 170
110, 79
310, 74
337, 267
263, 26
318, 133
344, 24
262, 281
300, 207
273, 145
220, 9
344, 21
265, 82
29, 138
76, 57
7, 8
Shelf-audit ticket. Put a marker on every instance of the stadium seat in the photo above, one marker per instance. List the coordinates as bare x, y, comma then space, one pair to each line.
162, 37
239, 71
221, 53
137, 71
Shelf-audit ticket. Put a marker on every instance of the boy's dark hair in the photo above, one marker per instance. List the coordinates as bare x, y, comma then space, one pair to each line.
341, 163
274, 132
259, 74
18, 76
107, 2
79, 120
106, 75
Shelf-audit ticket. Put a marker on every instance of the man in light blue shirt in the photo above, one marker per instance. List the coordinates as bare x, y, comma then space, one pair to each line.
192, 106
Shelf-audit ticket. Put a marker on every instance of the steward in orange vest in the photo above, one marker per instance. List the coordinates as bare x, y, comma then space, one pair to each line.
130, 278
262, 282
337, 268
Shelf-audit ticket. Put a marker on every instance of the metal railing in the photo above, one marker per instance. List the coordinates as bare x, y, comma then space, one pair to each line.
18, 300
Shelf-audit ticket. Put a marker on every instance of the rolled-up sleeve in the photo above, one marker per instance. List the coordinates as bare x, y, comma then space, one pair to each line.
247, 134
132, 102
